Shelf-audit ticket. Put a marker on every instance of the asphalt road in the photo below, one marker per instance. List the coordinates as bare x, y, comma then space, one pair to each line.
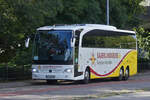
137, 88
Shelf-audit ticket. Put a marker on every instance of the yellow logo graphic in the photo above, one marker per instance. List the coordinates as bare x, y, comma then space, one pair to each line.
39, 67
119, 55
93, 59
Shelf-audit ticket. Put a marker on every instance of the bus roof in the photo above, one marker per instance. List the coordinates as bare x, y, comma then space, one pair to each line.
85, 26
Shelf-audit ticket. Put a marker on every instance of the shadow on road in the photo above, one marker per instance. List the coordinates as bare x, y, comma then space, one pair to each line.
62, 82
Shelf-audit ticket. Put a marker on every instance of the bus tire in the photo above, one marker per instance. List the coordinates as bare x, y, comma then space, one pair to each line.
86, 76
121, 74
126, 74
51, 81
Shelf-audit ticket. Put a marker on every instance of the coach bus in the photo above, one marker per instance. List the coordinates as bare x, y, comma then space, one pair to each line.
83, 52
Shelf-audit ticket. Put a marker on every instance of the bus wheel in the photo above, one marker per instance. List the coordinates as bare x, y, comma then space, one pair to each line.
51, 81
86, 77
126, 74
121, 74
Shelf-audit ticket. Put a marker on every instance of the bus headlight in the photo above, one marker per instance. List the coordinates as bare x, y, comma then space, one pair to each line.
69, 70
35, 70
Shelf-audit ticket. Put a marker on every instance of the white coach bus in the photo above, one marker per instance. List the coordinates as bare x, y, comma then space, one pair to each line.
83, 52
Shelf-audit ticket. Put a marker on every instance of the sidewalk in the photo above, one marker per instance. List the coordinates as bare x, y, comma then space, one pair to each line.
144, 73
15, 84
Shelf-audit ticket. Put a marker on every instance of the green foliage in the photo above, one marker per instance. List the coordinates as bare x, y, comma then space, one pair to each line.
124, 13
20, 18
79, 11
143, 37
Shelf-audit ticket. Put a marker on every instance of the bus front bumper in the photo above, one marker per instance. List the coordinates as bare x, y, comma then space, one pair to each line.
46, 76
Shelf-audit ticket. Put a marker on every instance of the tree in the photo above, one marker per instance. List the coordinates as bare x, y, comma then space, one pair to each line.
7, 25
79, 12
20, 18
143, 38
125, 13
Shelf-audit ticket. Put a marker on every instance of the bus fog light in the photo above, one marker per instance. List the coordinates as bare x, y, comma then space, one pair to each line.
35, 70
68, 70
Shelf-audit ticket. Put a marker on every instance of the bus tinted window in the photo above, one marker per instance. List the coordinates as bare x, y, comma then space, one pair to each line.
124, 42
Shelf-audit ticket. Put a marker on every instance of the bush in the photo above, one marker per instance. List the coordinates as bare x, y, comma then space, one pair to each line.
15, 72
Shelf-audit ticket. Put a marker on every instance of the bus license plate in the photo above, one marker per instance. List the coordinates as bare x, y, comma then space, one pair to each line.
50, 76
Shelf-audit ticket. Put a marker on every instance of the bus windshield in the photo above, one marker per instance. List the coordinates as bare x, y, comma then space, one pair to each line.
53, 47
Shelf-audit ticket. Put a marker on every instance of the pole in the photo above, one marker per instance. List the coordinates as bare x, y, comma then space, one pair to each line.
107, 12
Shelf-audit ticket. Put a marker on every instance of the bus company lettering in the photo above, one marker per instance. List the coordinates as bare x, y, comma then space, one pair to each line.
104, 62
54, 66
108, 55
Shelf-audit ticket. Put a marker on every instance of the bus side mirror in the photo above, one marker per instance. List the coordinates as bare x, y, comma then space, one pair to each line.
27, 42
73, 42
